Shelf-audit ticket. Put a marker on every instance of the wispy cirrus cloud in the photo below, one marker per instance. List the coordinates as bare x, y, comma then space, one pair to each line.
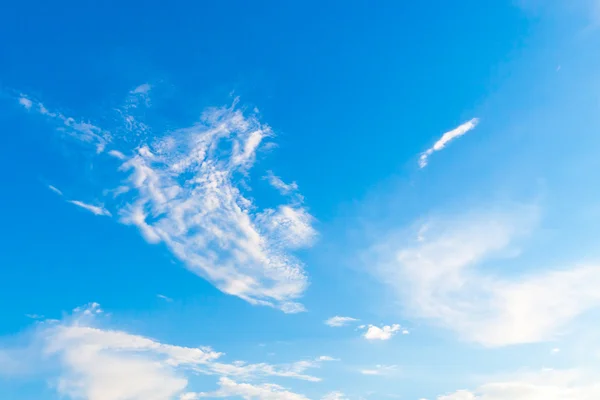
55, 190
339, 321
379, 370
438, 279
447, 138
94, 209
279, 184
187, 188
83, 131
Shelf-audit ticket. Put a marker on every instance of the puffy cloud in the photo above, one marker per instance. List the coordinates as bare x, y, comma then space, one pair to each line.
338, 321
447, 138
439, 280
384, 333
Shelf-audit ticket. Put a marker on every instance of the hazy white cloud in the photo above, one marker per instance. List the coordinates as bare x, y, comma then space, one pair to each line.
230, 388
327, 358
55, 190
25, 102
96, 210
280, 185
165, 298
544, 385
447, 138
379, 370
384, 333
439, 279
334, 396
338, 321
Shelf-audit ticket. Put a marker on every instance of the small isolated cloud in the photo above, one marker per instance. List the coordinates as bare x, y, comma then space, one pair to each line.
334, 396
447, 138
55, 190
25, 102
379, 370
555, 350
96, 210
117, 154
327, 358
338, 321
384, 333
280, 185
165, 298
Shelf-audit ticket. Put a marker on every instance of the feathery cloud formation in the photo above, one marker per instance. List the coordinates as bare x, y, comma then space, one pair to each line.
438, 279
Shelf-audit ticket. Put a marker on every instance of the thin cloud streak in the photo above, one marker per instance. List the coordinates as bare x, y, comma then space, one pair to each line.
96, 210
447, 138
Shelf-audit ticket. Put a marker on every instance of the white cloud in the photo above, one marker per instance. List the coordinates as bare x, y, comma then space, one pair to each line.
438, 279
188, 193
25, 102
327, 358
379, 370
55, 190
280, 185
86, 361
338, 321
187, 188
334, 396
384, 333
230, 388
544, 385
96, 210
82, 131
165, 298
447, 138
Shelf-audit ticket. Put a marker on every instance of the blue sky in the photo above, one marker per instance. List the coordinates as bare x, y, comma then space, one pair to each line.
291, 201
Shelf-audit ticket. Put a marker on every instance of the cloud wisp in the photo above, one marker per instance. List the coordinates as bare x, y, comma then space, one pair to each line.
338, 321
96, 210
447, 138
80, 130
440, 279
